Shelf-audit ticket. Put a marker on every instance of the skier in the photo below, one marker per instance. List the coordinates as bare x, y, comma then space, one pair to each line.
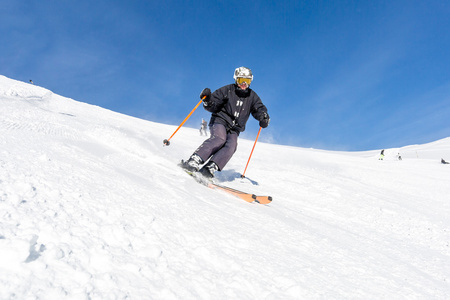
203, 127
231, 106
381, 155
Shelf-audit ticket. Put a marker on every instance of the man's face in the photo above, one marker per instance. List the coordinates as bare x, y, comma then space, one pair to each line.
243, 86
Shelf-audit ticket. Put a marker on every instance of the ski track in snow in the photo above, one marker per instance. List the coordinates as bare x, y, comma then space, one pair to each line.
92, 206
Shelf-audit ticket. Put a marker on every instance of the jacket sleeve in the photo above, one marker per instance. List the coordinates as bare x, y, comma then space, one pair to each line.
218, 99
258, 108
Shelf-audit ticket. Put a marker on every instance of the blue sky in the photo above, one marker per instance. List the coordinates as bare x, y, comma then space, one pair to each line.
336, 75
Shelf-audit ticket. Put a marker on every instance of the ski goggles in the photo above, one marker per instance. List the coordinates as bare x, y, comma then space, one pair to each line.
241, 80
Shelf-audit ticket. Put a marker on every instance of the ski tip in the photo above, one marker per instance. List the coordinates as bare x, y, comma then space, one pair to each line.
264, 199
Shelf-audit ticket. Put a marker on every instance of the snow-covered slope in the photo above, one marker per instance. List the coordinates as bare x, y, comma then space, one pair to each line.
92, 206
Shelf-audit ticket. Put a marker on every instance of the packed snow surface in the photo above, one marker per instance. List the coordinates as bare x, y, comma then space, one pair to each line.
92, 206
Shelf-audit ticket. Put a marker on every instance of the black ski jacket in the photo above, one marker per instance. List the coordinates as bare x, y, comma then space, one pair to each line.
231, 107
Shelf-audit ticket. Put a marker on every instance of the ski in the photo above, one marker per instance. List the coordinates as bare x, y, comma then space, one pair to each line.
248, 197
243, 195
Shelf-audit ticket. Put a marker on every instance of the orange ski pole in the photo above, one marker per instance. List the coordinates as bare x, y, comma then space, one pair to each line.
243, 174
166, 141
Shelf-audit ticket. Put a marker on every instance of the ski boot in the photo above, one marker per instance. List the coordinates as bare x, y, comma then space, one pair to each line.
192, 164
209, 169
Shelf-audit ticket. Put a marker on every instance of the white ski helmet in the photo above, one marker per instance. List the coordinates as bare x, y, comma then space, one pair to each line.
242, 72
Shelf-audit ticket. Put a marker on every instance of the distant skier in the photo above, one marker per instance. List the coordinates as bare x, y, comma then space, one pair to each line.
444, 162
231, 106
203, 127
399, 157
381, 155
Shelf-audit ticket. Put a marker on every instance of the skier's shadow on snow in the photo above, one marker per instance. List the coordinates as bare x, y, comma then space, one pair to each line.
232, 175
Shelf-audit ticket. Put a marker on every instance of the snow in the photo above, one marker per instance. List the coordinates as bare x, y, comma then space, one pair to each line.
92, 206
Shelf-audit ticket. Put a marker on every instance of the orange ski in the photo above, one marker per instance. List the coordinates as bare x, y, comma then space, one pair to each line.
249, 197
243, 195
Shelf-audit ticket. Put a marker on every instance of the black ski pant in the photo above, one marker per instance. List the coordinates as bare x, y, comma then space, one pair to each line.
220, 147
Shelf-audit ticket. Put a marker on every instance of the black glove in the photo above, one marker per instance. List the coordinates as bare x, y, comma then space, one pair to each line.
265, 120
206, 92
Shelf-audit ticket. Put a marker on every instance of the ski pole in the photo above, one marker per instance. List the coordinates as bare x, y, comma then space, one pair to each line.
166, 141
243, 174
